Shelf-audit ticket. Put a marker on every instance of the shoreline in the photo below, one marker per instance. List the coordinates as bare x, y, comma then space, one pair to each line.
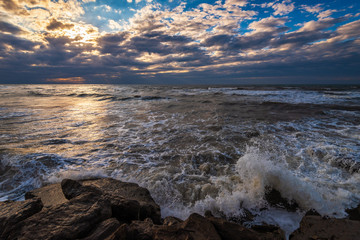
105, 208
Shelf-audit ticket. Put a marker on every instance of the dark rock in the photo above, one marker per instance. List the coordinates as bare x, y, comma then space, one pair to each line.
12, 213
354, 214
274, 198
347, 164
130, 191
120, 234
104, 230
72, 188
316, 227
208, 213
246, 216
312, 212
124, 210
169, 221
230, 231
195, 227
269, 229
50, 195
200, 227
70, 220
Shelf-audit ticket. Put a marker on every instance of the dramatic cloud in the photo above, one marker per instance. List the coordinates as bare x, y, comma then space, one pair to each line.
231, 41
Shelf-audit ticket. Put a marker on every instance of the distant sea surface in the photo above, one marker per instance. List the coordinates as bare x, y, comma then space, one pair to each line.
195, 148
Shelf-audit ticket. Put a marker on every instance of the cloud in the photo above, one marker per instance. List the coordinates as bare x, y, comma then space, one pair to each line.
269, 24
313, 9
325, 14
114, 25
283, 8
54, 24
51, 41
10, 28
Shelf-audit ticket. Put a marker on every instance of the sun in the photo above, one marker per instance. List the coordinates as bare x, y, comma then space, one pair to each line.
81, 33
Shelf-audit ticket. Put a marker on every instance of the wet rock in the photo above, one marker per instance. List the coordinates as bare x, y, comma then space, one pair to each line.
208, 214
354, 214
104, 230
312, 212
246, 216
270, 231
169, 221
125, 210
195, 227
130, 191
50, 195
347, 164
316, 227
230, 231
72, 188
274, 198
70, 220
12, 213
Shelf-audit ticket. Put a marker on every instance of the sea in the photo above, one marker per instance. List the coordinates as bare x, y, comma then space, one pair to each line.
196, 148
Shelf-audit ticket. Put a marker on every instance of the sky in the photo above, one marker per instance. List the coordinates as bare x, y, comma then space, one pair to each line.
180, 42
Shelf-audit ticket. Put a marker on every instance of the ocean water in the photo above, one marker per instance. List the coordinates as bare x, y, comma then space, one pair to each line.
194, 148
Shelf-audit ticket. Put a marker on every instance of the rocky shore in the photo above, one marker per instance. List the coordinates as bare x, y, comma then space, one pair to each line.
110, 209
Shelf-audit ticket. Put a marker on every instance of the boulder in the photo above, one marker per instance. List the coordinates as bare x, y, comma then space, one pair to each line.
230, 231
12, 213
70, 220
312, 212
72, 188
138, 206
316, 227
195, 227
130, 191
274, 198
354, 214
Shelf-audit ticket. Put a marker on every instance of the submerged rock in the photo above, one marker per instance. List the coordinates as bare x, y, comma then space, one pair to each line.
274, 198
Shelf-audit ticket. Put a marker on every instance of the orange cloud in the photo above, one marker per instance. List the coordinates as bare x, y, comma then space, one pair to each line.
67, 80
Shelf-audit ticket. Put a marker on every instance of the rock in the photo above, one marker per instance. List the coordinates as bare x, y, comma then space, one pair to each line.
130, 191
70, 220
12, 213
316, 227
125, 210
230, 231
169, 221
312, 212
354, 214
104, 230
246, 216
72, 188
50, 195
120, 233
208, 213
274, 198
270, 231
195, 227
